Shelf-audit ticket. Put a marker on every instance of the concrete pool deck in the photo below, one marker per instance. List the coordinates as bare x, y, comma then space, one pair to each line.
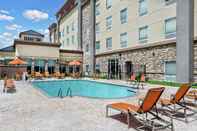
29, 110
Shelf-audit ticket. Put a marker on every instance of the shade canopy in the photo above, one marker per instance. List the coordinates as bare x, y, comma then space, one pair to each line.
17, 61
74, 63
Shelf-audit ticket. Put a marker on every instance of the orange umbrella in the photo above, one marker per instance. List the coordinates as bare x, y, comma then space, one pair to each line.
17, 61
74, 63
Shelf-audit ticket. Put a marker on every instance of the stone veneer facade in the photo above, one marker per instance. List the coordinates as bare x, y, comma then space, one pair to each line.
86, 33
153, 56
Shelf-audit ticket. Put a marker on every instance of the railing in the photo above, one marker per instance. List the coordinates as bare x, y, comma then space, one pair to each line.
69, 92
60, 93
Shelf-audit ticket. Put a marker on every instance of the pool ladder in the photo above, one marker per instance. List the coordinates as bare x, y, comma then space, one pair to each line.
68, 92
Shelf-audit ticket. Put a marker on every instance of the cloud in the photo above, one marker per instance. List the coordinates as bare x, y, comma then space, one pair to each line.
4, 12
6, 17
6, 39
45, 32
35, 15
13, 27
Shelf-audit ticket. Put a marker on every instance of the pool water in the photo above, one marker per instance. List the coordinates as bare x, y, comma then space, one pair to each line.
83, 88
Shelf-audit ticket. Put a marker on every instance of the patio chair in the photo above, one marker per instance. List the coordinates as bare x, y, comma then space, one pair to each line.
9, 85
38, 75
143, 108
141, 82
177, 99
46, 74
192, 95
57, 75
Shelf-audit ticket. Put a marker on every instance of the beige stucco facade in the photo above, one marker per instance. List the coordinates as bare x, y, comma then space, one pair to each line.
157, 13
35, 51
68, 27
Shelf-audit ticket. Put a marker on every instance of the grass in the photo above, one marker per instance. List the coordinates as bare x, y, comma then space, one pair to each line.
167, 83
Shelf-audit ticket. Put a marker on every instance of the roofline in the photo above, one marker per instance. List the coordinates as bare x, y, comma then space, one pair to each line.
71, 51
69, 10
24, 32
151, 45
34, 43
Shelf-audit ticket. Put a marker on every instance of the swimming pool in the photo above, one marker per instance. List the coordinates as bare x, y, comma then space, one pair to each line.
83, 88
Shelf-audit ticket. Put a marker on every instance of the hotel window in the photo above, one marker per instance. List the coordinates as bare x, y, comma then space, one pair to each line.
97, 9
67, 29
68, 41
123, 39
108, 4
73, 39
97, 28
143, 7
109, 23
170, 70
170, 28
168, 2
123, 16
97, 67
109, 43
87, 68
73, 26
87, 47
97, 45
143, 34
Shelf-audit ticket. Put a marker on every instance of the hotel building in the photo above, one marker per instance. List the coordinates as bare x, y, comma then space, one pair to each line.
122, 37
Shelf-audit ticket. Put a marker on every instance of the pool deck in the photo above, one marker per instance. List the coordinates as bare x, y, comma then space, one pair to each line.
29, 110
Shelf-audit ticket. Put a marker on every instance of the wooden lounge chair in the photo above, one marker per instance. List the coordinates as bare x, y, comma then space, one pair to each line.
46, 74
38, 75
9, 85
144, 107
177, 99
57, 75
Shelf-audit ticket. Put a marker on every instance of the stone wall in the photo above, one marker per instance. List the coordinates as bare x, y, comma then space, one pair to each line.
86, 33
153, 57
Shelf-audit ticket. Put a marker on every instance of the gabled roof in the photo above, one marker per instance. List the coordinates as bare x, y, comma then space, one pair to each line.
31, 32
8, 49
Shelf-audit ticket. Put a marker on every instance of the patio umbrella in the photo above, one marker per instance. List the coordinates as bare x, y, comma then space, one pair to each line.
74, 63
17, 61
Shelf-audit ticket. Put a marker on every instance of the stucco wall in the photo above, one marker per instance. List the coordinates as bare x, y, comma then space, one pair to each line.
37, 51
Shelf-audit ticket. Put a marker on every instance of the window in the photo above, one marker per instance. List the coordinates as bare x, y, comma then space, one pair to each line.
73, 39
123, 16
67, 29
170, 28
97, 67
73, 26
143, 7
97, 28
109, 43
97, 45
87, 68
170, 70
168, 2
87, 47
143, 34
68, 41
97, 9
123, 39
109, 23
108, 4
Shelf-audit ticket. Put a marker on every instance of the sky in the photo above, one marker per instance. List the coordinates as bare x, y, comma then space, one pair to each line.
22, 15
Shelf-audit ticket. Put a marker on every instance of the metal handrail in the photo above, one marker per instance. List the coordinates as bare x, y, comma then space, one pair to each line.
60, 93
69, 92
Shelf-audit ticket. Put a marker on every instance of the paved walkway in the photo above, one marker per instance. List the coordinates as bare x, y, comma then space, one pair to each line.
29, 110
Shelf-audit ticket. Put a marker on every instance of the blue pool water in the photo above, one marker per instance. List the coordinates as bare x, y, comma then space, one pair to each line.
84, 88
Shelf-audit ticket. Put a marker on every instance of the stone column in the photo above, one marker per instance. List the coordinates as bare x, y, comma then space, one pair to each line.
92, 37
32, 65
46, 66
80, 24
185, 36
57, 66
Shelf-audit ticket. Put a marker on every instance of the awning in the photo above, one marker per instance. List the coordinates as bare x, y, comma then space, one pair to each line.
17, 61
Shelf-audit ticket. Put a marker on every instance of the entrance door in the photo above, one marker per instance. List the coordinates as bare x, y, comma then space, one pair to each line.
113, 69
129, 69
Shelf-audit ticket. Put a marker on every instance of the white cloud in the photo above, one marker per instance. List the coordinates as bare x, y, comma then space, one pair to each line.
35, 15
4, 12
7, 34
45, 32
6, 39
13, 27
6, 17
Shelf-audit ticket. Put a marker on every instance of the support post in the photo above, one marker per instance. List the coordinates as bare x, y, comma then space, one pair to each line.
185, 37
